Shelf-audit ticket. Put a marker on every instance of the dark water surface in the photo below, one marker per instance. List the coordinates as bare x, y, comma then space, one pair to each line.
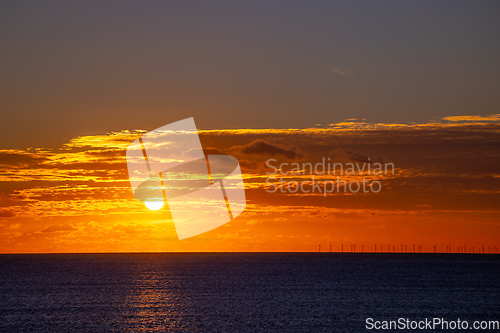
254, 292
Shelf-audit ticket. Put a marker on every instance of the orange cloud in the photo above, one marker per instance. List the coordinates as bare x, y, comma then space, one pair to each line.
77, 198
475, 118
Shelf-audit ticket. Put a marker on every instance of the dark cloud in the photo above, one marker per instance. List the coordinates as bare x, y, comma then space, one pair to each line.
349, 155
248, 165
192, 153
19, 158
263, 148
212, 151
6, 213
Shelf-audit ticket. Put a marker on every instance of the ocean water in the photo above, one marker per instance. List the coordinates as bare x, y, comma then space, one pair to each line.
241, 292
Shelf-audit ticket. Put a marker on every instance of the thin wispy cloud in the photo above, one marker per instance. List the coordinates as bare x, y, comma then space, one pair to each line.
343, 72
474, 118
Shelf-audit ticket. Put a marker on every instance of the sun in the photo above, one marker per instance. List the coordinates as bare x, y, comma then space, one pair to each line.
154, 205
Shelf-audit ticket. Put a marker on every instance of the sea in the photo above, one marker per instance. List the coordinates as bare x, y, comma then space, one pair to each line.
245, 292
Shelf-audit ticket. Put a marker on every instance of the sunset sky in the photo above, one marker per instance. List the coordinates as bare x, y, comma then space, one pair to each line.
410, 83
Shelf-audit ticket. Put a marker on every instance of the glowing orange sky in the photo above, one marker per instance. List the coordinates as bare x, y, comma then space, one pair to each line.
445, 191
